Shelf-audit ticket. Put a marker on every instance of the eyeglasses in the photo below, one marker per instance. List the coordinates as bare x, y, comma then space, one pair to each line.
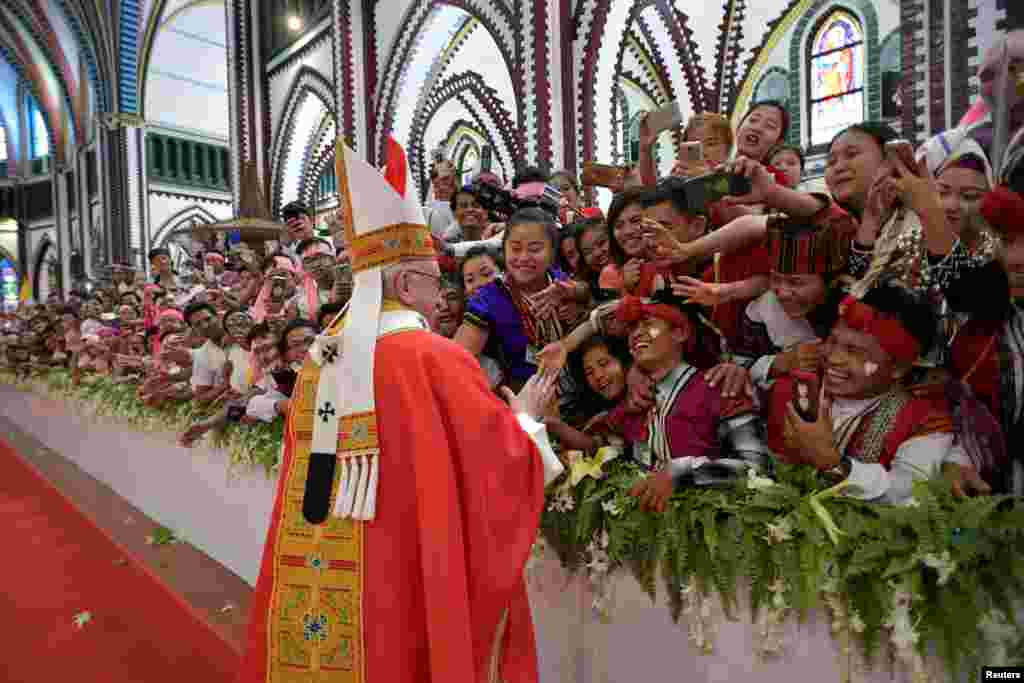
435, 279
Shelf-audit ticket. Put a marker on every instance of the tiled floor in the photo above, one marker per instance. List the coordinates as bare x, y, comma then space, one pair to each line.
217, 595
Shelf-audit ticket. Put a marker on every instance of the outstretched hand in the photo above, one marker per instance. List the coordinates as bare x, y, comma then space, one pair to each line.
552, 358
551, 297
535, 396
698, 291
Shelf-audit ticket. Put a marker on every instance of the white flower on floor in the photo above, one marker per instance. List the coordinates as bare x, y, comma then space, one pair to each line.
944, 564
81, 619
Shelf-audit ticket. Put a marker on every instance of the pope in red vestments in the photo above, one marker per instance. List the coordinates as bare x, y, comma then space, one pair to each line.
426, 583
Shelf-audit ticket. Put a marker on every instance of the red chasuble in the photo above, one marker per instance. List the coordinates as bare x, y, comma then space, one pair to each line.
432, 589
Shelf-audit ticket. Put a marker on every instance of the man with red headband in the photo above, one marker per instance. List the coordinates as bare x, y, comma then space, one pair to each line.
870, 429
213, 268
692, 435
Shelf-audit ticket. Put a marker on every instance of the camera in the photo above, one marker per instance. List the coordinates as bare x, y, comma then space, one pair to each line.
503, 202
708, 189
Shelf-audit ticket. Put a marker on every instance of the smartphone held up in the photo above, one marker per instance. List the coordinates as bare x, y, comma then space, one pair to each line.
806, 394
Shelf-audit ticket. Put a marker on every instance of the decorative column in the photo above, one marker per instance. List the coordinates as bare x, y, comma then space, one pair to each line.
540, 61
62, 222
348, 47
963, 57
566, 90
249, 117
125, 160
914, 62
84, 213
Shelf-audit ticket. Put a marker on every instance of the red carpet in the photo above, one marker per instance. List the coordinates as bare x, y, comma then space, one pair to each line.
54, 564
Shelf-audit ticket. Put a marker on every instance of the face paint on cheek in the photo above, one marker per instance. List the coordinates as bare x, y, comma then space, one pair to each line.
870, 368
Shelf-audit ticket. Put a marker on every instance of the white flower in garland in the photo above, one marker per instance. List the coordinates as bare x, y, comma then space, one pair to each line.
599, 560
701, 623
756, 481
780, 531
562, 502
1000, 637
904, 635
611, 508
944, 564
597, 572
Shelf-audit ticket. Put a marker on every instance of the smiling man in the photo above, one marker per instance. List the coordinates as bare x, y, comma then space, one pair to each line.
692, 435
870, 429
208, 361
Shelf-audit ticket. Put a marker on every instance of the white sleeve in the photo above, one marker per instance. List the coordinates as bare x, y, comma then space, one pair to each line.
264, 407
202, 374
958, 456
759, 371
492, 245
538, 432
915, 459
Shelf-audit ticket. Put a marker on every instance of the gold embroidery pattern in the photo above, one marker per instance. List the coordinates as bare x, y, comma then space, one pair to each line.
315, 620
357, 432
389, 244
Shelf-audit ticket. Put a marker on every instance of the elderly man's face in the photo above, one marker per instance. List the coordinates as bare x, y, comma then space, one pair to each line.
451, 304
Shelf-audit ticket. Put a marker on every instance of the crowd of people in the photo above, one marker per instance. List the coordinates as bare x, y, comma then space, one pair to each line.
708, 322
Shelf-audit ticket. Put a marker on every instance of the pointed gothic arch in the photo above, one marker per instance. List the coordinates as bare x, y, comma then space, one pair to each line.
308, 83
497, 122
174, 223
497, 18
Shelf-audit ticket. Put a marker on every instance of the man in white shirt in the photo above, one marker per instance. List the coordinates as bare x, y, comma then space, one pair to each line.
209, 380
272, 403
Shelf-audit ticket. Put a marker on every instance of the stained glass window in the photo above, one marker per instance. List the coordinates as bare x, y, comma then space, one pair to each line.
836, 74
469, 163
633, 139
38, 140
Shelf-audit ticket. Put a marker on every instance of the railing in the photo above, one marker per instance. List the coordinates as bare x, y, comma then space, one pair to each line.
179, 161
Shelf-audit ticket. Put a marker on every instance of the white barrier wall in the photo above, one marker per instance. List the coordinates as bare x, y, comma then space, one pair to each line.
189, 491
186, 490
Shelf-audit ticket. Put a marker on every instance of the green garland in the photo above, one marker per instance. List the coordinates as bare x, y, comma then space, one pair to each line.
941, 571
248, 446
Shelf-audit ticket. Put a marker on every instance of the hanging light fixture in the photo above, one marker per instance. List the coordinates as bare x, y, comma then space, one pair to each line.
294, 18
